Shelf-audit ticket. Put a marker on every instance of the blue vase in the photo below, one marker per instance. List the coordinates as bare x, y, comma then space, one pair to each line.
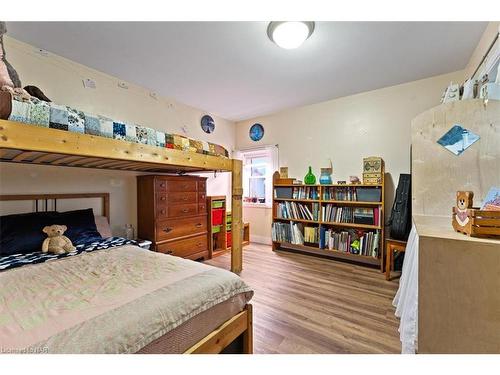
326, 176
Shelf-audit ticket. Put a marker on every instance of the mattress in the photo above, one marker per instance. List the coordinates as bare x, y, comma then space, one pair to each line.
62, 117
118, 300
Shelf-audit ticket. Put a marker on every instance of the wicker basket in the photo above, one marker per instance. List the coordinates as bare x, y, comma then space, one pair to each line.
480, 223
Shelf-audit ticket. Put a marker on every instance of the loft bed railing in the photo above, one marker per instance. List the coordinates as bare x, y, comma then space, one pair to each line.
28, 144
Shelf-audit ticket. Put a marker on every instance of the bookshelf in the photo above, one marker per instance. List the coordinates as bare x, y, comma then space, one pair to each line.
220, 227
338, 214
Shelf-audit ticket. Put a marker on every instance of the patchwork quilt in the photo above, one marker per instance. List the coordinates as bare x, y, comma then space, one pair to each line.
66, 118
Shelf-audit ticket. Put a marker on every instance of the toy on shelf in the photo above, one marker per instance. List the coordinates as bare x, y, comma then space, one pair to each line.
373, 170
473, 221
354, 180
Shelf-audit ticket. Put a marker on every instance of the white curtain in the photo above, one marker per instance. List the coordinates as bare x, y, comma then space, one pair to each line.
406, 299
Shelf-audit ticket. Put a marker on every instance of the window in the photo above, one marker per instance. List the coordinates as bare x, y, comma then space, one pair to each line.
258, 168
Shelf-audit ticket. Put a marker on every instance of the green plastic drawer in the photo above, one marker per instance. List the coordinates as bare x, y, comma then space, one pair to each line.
217, 204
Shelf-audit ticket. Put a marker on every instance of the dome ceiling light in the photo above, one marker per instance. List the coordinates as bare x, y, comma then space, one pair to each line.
289, 34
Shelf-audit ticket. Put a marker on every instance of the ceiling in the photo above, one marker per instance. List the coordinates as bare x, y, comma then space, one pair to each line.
232, 69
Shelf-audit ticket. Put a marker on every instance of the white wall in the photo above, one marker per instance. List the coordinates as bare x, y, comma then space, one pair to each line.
374, 123
61, 81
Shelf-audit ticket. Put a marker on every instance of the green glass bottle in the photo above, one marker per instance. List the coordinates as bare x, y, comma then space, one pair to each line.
310, 179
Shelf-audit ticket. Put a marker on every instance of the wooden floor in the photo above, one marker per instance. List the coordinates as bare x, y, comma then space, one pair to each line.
304, 304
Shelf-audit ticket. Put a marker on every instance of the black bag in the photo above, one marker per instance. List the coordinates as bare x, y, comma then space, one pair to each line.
400, 220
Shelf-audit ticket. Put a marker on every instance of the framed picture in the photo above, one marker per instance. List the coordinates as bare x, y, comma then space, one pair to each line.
207, 124
256, 132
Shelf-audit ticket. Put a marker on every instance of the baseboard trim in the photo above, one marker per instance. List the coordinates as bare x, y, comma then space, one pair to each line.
260, 239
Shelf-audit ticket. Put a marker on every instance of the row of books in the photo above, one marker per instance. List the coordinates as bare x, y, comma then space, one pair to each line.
356, 215
331, 213
360, 243
305, 192
340, 193
302, 192
293, 210
288, 232
311, 234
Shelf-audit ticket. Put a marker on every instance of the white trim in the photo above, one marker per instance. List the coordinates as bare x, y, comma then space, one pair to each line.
260, 239
257, 205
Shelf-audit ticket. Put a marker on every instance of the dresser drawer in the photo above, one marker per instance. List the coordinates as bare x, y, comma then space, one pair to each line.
182, 197
161, 212
180, 210
161, 198
174, 228
182, 185
202, 186
160, 185
202, 208
202, 197
186, 247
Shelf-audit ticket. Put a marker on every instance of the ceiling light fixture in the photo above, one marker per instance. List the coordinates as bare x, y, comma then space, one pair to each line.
289, 34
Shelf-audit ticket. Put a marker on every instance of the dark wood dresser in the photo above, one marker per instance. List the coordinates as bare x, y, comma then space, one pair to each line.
172, 213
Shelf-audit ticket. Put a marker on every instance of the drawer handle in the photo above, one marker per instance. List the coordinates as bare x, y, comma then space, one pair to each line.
169, 252
163, 212
185, 186
162, 185
199, 244
184, 198
185, 210
167, 229
199, 225
163, 198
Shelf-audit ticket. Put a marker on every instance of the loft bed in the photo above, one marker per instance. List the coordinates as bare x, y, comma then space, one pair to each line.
30, 144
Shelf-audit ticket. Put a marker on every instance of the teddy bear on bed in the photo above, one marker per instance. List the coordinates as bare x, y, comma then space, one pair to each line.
57, 243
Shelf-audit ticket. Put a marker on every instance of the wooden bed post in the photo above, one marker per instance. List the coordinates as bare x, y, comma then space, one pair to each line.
237, 222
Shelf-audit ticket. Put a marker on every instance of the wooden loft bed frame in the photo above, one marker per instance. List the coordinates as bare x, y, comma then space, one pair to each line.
238, 329
28, 144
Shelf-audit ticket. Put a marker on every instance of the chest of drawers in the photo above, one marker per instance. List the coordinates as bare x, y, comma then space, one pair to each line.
172, 214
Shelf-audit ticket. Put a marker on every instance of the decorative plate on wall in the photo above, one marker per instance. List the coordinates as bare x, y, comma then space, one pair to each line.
207, 124
256, 132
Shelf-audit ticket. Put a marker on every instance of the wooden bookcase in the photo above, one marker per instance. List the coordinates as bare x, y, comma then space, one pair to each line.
217, 234
314, 249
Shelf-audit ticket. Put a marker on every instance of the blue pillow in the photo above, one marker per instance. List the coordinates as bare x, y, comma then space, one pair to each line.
81, 226
22, 233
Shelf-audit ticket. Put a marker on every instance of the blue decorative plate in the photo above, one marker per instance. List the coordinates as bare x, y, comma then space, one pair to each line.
207, 124
256, 132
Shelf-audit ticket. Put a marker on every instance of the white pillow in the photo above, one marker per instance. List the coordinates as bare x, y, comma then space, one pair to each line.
102, 225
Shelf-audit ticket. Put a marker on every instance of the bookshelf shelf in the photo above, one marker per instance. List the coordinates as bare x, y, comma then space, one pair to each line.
297, 200
373, 234
355, 203
351, 225
337, 254
298, 220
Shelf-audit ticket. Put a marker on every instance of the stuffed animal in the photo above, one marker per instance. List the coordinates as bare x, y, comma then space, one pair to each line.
9, 80
461, 218
57, 243
36, 92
